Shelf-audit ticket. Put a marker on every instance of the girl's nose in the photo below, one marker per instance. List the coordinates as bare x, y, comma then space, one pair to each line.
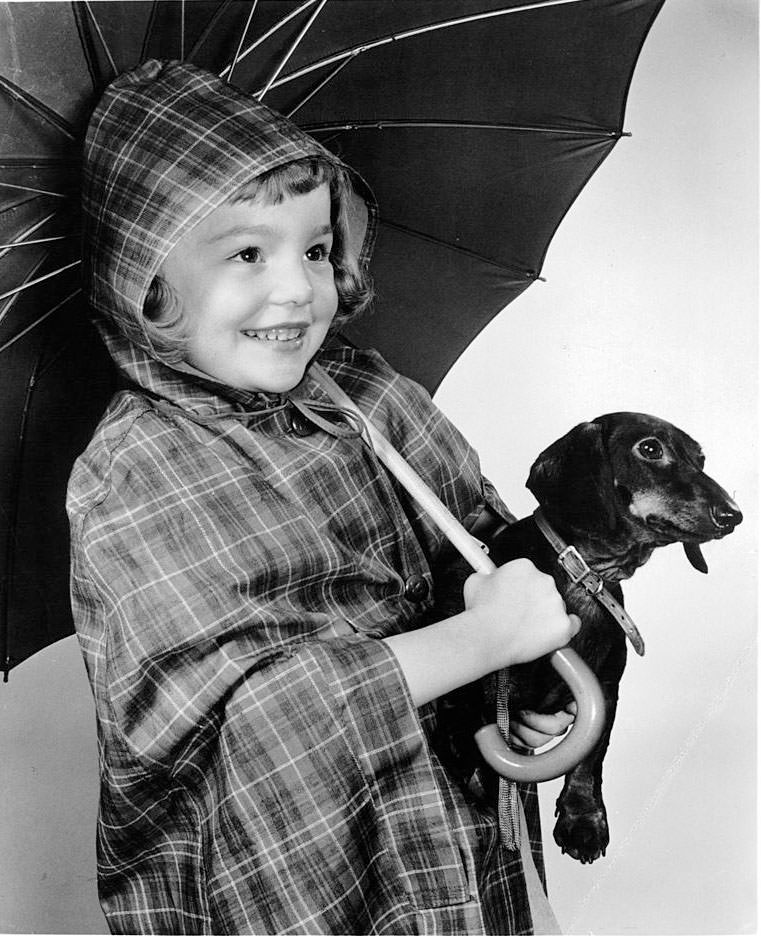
292, 285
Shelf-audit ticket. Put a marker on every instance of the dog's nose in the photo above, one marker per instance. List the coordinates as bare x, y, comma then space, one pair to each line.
726, 517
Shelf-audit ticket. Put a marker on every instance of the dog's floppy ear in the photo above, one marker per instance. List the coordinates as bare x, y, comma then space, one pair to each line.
573, 479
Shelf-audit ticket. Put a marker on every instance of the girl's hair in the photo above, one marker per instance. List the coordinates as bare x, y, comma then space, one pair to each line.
165, 320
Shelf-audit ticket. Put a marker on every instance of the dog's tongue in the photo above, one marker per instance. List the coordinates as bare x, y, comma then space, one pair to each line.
693, 553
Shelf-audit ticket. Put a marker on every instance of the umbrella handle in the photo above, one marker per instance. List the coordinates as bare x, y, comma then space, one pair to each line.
575, 746
590, 715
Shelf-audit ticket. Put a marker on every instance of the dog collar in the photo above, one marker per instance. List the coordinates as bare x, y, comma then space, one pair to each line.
579, 572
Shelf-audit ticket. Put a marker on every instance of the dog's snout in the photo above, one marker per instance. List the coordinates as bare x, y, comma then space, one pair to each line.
726, 517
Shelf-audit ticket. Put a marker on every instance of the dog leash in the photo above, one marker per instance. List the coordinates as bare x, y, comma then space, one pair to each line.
579, 572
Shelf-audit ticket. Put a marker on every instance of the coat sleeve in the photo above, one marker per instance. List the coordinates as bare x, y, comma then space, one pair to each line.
187, 645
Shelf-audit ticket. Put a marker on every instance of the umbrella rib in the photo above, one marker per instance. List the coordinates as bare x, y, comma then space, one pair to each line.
523, 274
242, 39
208, 29
38, 321
31, 272
35, 105
340, 67
417, 31
4, 248
27, 188
102, 38
86, 42
36, 162
23, 242
294, 45
11, 206
600, 133
182, 29
40, 279
148, 31
270, 32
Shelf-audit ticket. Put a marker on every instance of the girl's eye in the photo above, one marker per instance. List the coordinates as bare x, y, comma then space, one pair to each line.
319, 252
651, 449
249, 255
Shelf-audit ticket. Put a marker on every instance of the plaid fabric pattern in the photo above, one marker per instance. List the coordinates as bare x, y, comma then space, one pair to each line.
166, 145
263, 767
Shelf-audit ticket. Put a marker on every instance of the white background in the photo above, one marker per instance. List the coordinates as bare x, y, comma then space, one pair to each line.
650, 304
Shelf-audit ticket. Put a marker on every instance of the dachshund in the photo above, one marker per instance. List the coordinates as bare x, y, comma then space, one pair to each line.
614, 489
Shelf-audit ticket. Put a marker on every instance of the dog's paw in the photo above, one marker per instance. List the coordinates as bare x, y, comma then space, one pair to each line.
582, 834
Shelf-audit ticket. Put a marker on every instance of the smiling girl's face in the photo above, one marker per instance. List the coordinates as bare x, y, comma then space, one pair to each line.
257, 289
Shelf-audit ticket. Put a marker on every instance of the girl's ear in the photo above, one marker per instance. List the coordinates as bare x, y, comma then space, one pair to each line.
573, 479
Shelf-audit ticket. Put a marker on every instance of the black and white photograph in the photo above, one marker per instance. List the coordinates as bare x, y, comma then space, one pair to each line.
379, 467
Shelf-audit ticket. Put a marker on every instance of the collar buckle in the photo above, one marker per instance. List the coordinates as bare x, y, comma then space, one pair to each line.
575, 566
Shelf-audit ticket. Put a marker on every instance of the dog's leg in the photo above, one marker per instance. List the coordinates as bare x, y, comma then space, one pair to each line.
581, 829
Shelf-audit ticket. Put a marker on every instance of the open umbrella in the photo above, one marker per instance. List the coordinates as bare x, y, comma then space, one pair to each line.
476, 122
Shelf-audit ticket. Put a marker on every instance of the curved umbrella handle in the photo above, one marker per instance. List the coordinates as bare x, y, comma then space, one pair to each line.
590, 716
581, 738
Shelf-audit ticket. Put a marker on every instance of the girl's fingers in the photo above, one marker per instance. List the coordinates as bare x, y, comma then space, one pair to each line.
534, 730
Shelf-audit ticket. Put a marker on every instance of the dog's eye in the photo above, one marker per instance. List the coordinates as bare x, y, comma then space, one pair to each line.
651, 449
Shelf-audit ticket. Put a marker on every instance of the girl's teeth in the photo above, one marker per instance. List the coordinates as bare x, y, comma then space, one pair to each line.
274, 334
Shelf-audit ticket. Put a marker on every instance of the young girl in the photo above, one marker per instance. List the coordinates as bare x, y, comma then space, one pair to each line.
250, 587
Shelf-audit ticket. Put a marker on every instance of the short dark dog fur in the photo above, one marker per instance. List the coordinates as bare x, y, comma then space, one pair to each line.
616, 488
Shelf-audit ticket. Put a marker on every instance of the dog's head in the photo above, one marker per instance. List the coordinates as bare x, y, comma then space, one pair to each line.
636, 472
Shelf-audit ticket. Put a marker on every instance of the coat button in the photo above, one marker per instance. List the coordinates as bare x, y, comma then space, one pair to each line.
416, 588
299, 424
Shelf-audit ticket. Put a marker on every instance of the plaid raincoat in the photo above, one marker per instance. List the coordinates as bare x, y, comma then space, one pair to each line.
263, 768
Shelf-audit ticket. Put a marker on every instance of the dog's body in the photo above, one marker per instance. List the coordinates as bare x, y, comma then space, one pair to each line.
615, 488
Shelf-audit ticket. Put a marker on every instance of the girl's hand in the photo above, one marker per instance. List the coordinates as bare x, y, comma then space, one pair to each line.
519, 614
533, 730
512, 615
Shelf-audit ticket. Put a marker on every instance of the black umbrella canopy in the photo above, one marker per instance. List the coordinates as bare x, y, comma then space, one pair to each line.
476, 122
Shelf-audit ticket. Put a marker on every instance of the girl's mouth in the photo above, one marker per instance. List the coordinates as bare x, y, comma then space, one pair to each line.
275, 334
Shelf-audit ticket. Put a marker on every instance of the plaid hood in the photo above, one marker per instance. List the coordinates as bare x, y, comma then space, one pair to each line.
166, 145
